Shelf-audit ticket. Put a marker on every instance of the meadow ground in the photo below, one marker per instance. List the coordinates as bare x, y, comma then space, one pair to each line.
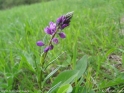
96, 30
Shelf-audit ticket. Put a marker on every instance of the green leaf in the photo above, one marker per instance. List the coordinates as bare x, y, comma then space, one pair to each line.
49, 75
82, 89
54, 88
65, 89
69, 76
81, 66
121, 50
65, 77
28, 61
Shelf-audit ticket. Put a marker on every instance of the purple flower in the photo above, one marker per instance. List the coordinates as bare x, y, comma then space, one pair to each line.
51, 28
64, 25
54, 28
46, 49
62, 35
55, 40
48, 30
50, 47
40, 43
64, 20
60, 20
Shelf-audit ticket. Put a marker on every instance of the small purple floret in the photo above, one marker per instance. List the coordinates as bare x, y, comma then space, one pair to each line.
51, 28
40, 43
64, 25
50, 47
62, 35
55, 40
46, 49
48, 30
63, 22
60, 20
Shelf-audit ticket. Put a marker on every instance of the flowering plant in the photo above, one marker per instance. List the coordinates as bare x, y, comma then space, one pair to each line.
53, 29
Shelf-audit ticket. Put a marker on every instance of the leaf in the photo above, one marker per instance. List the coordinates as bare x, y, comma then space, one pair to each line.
81, 66
65, 77
65, 89
82, 89
110, 51
28, 61
54, 88
121, 50
49, 75
69, 76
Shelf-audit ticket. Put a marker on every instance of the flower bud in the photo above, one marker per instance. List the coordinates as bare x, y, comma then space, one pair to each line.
46, 49
60, 20
40, 43
64, 25
50, 47
62, 35
64, 21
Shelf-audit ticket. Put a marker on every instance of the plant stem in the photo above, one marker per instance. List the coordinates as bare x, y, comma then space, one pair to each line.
43, 57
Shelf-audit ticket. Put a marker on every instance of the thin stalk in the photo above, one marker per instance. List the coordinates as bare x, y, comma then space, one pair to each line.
43, 57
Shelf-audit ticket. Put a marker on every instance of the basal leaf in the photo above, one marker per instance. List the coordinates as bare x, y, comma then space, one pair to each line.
65, 89
66, 76
52, 90
81, 66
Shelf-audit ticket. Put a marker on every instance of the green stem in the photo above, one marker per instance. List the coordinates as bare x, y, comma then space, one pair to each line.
43, 57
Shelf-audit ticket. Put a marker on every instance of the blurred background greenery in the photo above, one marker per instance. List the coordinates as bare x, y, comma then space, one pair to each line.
5, 4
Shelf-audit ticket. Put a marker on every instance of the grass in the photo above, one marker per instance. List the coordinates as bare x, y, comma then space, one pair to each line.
95, 30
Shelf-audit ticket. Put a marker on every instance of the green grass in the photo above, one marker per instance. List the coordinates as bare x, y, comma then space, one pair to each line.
95, 31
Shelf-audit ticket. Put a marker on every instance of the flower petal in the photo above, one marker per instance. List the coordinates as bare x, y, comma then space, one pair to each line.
48, 30
64, 25
52, 25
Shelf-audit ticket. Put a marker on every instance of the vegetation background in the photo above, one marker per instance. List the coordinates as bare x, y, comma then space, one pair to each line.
96, 30
10, 3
